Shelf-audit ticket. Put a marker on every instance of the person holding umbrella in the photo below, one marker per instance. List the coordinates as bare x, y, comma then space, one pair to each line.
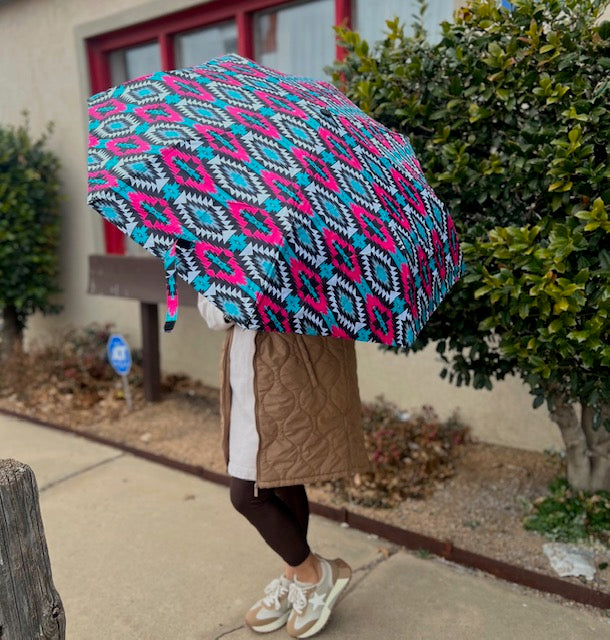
306, 225
290, 414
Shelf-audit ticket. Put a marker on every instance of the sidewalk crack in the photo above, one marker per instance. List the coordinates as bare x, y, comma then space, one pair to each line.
224, 634
361, 573
79, 472
385, 553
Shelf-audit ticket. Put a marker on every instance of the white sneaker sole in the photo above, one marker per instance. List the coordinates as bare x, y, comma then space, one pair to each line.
327, 608
271, 626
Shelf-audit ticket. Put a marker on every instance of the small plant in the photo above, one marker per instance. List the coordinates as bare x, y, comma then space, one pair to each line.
409, 454
80, 359
567, 515
76, 365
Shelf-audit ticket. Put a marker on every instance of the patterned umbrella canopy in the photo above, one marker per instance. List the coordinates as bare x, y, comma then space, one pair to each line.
276, 197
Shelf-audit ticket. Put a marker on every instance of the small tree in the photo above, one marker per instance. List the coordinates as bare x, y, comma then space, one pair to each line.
510, 115
29, 230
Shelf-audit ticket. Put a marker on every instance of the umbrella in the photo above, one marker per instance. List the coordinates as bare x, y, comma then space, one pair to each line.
275, 197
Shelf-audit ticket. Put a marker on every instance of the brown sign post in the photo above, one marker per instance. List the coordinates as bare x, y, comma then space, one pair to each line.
142, 279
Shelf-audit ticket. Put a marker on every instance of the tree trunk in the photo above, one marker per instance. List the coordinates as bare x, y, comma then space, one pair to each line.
11, 338
598, 441
578, 462
587, 449
30, 607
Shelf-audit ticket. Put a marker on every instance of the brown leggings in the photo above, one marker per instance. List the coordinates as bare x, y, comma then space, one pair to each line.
281, 516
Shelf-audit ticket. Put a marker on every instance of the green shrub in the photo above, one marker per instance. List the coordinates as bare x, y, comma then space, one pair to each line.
569, 516
510, 117
29, 228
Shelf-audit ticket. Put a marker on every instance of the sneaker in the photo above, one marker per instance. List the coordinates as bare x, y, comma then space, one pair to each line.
312, 603
272, 611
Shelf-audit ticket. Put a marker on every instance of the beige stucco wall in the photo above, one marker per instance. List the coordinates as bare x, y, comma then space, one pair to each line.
43, 68
42, 60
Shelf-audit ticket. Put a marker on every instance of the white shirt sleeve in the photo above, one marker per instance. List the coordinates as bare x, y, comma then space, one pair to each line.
212, 315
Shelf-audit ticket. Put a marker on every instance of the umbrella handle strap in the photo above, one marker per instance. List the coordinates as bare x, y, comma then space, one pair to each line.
171, 290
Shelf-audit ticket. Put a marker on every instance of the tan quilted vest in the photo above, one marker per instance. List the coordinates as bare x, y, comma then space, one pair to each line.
307, 407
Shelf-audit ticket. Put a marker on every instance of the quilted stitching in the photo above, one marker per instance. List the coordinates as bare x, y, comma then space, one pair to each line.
309, 426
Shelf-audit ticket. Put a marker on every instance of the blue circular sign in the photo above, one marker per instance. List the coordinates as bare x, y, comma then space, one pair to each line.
119, 354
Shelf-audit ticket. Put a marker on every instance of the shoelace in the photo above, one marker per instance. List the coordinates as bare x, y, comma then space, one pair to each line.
297, 598
273, 591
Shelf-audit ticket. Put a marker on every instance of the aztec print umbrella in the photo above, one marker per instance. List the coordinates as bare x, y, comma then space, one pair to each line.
275, 197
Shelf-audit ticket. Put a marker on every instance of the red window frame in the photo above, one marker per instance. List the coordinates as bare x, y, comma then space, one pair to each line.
163, 29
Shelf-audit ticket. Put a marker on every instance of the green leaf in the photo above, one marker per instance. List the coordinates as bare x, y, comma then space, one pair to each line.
575, 135
591, 226
579, 336
536, 361
561, 305
538, 401
481, 291
487, 324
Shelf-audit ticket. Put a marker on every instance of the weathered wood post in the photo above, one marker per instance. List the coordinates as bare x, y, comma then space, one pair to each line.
30, 607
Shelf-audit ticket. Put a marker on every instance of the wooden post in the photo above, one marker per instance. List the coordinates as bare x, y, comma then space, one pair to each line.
141, 279
151, 365
30, 607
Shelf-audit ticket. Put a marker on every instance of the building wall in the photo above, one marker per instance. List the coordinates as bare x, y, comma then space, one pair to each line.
42, 60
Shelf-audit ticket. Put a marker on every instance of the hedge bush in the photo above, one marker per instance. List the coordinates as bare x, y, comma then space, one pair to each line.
29, 228
509, 115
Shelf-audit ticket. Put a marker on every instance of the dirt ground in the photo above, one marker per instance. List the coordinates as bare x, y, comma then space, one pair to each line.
480, 508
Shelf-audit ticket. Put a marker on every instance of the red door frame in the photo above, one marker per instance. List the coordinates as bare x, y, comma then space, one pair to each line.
163, 29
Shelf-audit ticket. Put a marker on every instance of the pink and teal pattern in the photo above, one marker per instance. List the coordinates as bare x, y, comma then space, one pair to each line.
276, 197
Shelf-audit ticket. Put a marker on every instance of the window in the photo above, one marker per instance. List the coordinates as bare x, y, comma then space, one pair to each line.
133, 62
294, 36
370, 17
195, 47
296, 39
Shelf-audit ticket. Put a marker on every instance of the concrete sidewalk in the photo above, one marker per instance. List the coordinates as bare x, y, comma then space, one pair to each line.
143, 552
